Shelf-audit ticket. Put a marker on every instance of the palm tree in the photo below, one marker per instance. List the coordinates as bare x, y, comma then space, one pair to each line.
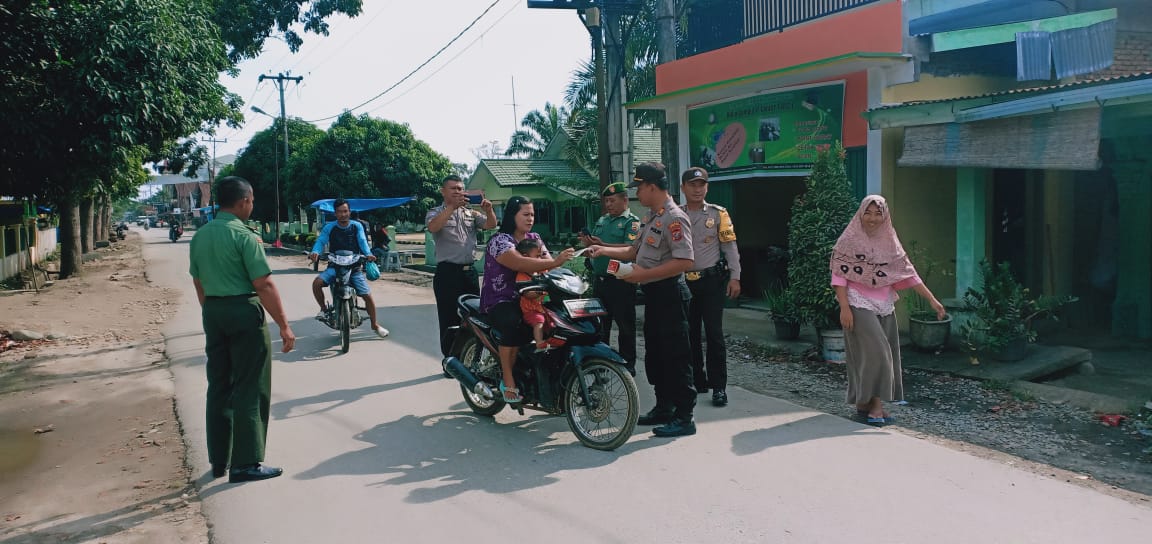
638, 34
540, 127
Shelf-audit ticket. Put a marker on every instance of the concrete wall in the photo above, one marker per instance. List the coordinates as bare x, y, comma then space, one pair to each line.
12, 265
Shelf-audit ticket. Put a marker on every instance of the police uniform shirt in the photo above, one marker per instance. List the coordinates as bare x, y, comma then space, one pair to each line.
621, 229
713, 233
665, 235
456, 240
227, 257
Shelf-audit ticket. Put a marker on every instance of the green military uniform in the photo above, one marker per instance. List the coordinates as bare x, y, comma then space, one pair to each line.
226, 257
618, 296
622, 229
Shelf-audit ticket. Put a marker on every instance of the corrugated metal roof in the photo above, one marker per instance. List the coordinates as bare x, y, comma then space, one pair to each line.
1033, 55
992, 12
1017, 93
519, 172
1084, 50
645, 145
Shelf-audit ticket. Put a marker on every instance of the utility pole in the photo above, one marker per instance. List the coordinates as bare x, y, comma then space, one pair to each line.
280, 79
604, 159
212, 168
615, 115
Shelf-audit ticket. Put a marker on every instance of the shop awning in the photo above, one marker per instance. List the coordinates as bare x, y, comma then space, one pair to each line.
1051, 141
364, 204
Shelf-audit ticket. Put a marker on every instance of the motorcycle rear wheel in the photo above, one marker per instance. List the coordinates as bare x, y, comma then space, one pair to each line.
345, 325
609, 424
472, 355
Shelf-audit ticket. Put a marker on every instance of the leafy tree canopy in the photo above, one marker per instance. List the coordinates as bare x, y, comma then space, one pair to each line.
263, 158
364, 157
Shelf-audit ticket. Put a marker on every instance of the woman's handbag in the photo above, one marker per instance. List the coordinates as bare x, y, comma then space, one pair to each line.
371, 271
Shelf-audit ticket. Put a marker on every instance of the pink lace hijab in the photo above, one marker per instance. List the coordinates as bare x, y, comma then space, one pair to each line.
876, 260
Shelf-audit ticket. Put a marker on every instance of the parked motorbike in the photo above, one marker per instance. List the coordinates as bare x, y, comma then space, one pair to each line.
121, 230
576, 375
343, 312
175, 231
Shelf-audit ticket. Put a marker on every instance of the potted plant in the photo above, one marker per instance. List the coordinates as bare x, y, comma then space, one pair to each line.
819, 216
782, 311
925, 331
1002, 313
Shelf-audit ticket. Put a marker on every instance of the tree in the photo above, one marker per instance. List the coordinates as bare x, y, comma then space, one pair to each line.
819, 216
89, 87
365, 157
490, 150
540, 127
637, 59
263, 157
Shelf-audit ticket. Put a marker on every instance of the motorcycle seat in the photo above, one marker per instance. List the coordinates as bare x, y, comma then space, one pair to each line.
471, 303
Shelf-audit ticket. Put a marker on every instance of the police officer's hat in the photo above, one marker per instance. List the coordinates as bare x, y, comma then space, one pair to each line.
617, 188
649, 172
694, 174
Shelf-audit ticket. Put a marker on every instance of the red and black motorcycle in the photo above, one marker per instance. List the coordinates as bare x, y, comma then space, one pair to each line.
577, 375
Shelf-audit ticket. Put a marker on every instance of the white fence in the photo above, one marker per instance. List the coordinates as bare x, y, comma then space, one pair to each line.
15, 237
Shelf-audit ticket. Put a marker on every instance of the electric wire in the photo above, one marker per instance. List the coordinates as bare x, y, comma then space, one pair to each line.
417, 69
448, 62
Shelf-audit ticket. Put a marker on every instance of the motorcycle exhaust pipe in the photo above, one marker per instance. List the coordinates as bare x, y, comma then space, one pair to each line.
461, 373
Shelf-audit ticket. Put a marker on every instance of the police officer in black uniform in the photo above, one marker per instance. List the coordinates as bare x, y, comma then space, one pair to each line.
662, 253
715, 274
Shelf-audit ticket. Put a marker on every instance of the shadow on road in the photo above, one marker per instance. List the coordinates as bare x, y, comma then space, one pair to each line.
814, 427
340, 397
455, 452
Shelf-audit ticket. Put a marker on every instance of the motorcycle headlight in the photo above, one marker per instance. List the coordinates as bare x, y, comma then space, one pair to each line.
343, 260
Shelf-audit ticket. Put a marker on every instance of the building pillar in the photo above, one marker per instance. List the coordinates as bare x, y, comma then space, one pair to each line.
1132, 308
971, 226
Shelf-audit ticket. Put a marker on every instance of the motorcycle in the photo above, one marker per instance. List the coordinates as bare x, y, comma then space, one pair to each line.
344, 314
175, 231
122, 230
576, 375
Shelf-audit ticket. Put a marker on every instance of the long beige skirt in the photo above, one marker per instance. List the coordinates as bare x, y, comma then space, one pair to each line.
872, 353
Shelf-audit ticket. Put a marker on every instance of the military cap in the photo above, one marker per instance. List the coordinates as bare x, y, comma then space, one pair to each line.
617, 188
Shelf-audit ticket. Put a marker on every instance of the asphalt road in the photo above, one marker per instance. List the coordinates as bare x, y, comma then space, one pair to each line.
378, 447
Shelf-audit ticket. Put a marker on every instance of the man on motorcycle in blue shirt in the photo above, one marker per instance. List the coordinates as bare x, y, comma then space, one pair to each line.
344, 234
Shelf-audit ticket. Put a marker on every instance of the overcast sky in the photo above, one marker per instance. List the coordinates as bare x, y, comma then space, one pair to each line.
458, 102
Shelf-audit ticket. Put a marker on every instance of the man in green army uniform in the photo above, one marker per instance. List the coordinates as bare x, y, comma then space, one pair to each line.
619, 227
234, 286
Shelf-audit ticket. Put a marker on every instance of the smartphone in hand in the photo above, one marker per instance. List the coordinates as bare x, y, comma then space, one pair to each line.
475, 199
585, 232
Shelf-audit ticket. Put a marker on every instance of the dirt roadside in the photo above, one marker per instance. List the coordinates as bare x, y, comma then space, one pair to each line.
90, 447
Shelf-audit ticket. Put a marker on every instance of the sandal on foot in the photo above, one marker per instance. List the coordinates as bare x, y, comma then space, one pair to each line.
511, 395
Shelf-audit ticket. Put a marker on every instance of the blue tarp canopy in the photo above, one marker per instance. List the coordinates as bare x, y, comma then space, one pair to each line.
364, 204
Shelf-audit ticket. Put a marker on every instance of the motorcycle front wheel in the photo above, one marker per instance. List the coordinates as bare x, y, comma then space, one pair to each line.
477, 361
606, 422
345, 324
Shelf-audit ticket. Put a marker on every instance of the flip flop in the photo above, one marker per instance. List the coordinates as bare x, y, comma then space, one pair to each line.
511, 395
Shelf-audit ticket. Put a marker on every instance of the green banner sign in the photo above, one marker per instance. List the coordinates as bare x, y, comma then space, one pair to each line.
774, 134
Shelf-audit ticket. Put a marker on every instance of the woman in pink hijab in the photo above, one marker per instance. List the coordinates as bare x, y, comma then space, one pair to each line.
868, 266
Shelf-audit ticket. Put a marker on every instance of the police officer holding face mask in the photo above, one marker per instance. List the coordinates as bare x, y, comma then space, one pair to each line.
715, 274
662, 253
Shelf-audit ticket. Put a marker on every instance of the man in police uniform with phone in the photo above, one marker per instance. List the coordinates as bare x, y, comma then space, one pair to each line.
715, 274
619, 227
453, 226
662, 253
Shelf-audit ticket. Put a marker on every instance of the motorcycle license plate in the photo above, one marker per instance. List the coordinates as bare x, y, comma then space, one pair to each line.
585, 307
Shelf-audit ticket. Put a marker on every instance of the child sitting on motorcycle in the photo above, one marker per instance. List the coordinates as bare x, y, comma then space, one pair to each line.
531, 300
